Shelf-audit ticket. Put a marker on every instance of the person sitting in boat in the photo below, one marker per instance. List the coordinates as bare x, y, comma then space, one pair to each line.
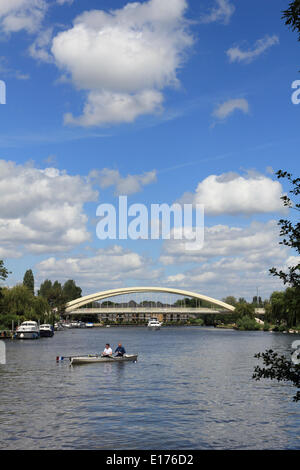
120, 350
107, 350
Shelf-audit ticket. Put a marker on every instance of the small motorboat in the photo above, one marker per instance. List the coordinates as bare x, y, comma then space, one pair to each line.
28, 330
154, 324
46, 330
92, 359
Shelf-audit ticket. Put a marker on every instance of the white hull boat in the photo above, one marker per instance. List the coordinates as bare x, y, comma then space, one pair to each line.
92, 359
154, 324
28, 330
46, 331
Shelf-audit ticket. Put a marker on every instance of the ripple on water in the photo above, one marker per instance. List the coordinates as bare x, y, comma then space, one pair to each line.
191, 388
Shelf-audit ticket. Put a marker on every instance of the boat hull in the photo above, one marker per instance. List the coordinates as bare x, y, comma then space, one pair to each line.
27, 335
99, 359
46, 334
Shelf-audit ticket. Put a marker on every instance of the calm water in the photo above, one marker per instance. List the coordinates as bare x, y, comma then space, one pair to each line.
190, 389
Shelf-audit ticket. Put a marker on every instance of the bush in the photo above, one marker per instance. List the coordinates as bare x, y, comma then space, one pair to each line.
197, 321
247, 323
266, 326
6, 321
280, 328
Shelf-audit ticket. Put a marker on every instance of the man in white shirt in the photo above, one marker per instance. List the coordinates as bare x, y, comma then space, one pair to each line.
107, 350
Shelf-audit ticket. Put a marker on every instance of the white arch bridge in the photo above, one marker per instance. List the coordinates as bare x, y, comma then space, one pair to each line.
204, 305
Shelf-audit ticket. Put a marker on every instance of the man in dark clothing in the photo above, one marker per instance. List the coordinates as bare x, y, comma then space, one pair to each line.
120, 351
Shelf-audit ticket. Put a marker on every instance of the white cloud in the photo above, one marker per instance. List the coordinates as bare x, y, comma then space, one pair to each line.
40, 48
17, 15
231, 193
260, 46
233, 261
107, 268
292, 261
106, 107
222, 12
228, 107
124, 59
217, 283
42, 210
256, 242
127, 185
62, 2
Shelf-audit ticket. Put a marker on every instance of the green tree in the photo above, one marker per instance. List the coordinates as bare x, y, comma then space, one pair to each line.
54, 295
277, 303
279, 368
230, 300
243, 308
71, 291
28, 280
288, 304
292, 16
3, 271
45, 288
290, 231
3, 275
20, 304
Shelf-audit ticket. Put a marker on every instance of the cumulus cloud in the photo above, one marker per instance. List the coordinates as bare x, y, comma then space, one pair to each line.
42, 210
228, 107
39, 49
123, 59
17, 15
107, 107
256, 242
117, 266
127, 185
231, 193
233, 260
217, 282
235, 54
221, 12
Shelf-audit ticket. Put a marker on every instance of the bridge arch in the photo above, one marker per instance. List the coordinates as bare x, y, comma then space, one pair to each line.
81, 301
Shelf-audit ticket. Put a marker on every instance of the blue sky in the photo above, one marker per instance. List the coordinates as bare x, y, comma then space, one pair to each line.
191, 96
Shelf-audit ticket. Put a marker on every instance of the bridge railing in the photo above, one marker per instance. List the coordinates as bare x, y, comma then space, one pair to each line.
147, 310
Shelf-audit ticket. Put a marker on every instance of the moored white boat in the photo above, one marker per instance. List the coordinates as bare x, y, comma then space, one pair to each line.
28, 330
46, 330
154, 324
92, 359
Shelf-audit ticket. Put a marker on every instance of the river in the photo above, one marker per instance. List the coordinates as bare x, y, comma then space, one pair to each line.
191, 388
